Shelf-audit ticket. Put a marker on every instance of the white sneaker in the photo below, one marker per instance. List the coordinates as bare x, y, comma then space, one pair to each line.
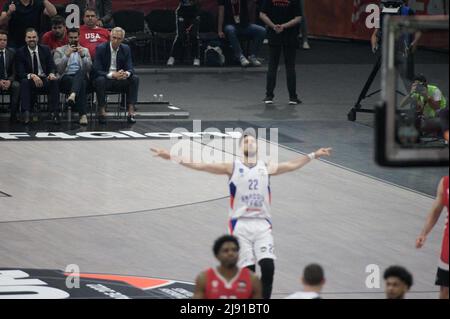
306, 46
83, 120
196, 62
244, 61
254, 61
171, 61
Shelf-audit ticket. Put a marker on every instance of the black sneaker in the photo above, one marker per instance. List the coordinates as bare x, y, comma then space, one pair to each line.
131, 119
295, 101
268, 100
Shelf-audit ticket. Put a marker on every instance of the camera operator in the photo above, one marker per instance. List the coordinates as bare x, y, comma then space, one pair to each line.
427, 100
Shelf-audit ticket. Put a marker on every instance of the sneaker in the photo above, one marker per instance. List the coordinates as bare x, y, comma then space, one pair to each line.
244, 61
171, 61
306, 46
268, 100
295, 101
131, 119
196, 62
83, 120
254, 61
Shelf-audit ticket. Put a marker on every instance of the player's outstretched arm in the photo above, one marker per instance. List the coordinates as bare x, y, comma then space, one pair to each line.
216, 168
200, 286
278, 169
433, 216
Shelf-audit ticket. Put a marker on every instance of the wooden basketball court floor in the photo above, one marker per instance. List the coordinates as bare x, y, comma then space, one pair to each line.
110, 207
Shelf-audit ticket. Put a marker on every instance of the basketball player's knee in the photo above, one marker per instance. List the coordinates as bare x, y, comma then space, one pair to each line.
267, 268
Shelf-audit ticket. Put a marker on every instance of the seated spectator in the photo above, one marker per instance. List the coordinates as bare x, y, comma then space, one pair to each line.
92, 35
36, 72
398, 282
234, 21
103, 9
313, 280
19, 15
114, 71
8, 84
188, 24
74, 63
57, 37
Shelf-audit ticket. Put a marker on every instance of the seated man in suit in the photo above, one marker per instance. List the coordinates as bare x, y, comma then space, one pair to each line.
114, 71
36, 72
74, 63
8, 84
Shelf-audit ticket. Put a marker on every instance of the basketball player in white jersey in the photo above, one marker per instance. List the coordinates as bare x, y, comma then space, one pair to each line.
250, 199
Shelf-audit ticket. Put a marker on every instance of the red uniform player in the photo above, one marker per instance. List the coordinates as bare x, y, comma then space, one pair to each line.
227, 281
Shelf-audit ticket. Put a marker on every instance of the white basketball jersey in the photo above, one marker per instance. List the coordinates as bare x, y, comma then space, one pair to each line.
250, 195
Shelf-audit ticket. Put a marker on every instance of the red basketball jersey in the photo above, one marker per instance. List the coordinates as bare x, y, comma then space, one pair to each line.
217, 287
445, 247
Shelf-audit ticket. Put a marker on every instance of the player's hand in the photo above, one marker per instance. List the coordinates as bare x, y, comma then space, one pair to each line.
221, 34
323, 152
158, 152
420, 241
51, 77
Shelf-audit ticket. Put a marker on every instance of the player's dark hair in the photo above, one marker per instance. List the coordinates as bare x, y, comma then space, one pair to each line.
222, 240
400, 273
313, 275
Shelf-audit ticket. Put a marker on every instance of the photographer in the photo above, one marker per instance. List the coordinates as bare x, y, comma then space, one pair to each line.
427, 100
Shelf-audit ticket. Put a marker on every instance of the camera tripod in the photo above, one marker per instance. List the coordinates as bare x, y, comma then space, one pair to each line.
363, 95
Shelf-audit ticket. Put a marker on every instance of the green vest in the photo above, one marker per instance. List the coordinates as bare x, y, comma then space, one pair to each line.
428, 110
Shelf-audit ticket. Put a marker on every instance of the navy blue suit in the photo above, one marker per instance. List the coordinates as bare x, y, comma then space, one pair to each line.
28, 89
102, 64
